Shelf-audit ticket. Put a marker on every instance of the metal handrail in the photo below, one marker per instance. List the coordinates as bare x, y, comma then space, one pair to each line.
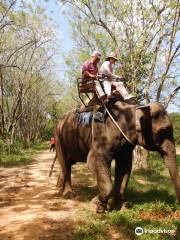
101, 77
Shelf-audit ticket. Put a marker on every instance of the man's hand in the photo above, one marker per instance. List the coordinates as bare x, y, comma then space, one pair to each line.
87, 74
120, 78
92, 76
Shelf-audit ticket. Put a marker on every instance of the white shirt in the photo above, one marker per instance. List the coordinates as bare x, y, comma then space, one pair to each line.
107, 69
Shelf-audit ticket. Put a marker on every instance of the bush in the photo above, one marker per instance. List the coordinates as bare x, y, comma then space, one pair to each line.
175, 118
6, 148
3, 146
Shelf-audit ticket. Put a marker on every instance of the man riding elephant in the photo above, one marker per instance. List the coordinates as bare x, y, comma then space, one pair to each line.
90, 71
104, 78
112, 80
99, 143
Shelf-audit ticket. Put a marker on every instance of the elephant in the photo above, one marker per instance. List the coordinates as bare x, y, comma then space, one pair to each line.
99, 143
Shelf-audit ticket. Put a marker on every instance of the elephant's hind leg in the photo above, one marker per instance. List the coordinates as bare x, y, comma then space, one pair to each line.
64, 182
64, 179
67, 191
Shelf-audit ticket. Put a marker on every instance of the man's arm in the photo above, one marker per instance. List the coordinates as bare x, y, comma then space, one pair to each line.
87, 74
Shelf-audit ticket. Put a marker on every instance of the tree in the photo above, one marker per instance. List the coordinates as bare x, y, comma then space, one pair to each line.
144, 33
175, 118
27, 51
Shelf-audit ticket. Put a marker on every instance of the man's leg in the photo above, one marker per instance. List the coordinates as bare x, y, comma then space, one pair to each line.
54, 147
100, 92
107, 87
119, 86
50, 148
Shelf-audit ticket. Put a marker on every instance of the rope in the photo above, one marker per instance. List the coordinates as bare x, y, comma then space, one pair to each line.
92, 129
113, 120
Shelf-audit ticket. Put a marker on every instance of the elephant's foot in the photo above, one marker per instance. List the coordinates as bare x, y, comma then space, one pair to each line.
69, 194
119, 205
126, 206
101, 207
95, 200
114, 206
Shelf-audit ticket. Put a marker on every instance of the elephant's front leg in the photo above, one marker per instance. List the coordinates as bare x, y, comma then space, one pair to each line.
99, 165
123, 166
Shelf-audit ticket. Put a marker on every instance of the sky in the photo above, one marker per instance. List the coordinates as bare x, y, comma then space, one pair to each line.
55, 10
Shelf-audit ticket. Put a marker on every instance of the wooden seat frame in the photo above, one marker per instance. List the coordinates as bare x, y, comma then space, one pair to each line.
85, 86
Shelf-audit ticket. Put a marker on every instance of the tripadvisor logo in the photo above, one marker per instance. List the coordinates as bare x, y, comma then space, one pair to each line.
139, 231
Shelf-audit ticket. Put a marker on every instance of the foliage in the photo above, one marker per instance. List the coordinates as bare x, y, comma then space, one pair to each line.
175, 117
145, 34
28, 85
18, 155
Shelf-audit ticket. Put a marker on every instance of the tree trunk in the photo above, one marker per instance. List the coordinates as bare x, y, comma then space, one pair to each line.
140, 156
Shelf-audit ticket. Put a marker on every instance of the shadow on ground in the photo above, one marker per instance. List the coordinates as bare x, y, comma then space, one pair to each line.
30, 206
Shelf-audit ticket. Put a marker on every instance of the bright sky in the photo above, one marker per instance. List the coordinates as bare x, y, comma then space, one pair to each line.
55, 11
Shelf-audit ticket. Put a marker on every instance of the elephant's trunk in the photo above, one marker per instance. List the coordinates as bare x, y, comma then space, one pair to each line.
169, 152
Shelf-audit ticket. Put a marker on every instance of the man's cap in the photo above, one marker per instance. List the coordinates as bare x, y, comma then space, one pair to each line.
96, 54
112, 55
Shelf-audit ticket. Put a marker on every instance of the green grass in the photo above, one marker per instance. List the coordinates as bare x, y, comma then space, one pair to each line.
39, 146
178, 160
154, 207
21, 156
96, 229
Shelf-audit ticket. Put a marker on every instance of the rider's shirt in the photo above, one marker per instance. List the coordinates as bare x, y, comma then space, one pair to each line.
90, 67
107, 69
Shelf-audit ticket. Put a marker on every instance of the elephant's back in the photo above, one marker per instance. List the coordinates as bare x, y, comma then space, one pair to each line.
74, 137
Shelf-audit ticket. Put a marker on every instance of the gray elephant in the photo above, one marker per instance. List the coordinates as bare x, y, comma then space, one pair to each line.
99, 143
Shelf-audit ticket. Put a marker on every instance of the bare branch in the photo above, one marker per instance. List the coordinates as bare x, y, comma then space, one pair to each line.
171, 96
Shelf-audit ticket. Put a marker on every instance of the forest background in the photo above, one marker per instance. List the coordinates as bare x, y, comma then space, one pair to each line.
44, 43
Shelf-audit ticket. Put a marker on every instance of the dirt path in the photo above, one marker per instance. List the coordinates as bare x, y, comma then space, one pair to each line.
30, 207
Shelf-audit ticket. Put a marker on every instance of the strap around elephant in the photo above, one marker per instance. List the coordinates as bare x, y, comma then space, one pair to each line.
114, 121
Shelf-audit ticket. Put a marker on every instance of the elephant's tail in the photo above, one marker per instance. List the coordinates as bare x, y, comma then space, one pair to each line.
59, 153
52, 166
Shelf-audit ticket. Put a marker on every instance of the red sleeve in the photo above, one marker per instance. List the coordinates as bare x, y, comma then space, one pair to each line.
85, 66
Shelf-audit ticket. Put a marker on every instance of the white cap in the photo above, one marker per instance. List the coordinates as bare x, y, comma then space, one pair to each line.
96, 54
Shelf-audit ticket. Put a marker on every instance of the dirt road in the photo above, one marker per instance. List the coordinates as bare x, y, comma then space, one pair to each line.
30, 206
